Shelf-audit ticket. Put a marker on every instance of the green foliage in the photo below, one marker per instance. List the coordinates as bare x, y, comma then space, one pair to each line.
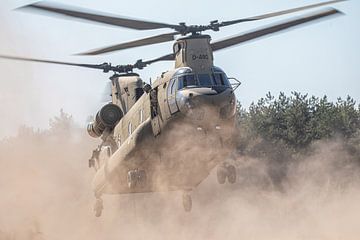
299, 120
281, 131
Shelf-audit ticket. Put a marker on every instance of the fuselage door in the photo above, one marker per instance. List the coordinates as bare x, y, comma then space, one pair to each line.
171, 96
154, 111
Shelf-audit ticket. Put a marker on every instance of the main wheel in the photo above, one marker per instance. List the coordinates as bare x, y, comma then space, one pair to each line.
221, 173
98, 207
132, 179
141, 178
131, 184
187, 202
231, 174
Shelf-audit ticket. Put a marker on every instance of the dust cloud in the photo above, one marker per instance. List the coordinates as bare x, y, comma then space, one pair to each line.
46, 194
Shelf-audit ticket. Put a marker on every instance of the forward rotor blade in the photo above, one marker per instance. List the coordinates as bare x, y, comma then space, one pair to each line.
275, 14
95, 66
96, 17
168, 57
137, 43
273, 29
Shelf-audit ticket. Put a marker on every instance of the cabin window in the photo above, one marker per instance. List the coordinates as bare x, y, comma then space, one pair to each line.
205, 80
141, 115
130, 128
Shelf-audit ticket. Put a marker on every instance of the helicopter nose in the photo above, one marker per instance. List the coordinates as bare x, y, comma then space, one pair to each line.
203, 103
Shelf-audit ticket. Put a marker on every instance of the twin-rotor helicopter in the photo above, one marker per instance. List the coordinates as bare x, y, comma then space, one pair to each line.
168, 135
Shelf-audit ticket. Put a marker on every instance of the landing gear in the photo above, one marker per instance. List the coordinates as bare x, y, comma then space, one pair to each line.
226, 171
231, 174
98, 207
136, 178
221, 173
187, 202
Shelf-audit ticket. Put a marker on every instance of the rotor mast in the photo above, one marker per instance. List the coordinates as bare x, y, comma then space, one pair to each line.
195, 52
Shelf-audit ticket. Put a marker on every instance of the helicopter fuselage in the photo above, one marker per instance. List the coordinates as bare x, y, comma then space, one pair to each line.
174, 135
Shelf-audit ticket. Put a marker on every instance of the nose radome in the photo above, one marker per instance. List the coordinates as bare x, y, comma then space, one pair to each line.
188, 98
200, 99
200, 92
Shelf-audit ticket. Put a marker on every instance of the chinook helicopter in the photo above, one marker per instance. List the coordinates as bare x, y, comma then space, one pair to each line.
168, 135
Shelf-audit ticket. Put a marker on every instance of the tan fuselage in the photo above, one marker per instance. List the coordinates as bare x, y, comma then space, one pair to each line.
176, 136
188, 147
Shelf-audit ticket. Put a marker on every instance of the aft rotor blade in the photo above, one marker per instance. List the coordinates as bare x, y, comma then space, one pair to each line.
96, 17
137, 43
95, 66
273, 29
275, 14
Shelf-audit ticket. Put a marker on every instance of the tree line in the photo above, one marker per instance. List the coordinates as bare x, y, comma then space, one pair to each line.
284, 129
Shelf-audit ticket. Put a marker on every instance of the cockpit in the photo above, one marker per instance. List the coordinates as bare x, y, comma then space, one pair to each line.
187, 79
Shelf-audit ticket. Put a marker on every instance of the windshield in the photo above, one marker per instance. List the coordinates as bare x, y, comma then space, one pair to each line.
188, 81
220, 79
203, 80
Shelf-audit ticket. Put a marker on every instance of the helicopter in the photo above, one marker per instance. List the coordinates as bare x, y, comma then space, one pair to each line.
168, 135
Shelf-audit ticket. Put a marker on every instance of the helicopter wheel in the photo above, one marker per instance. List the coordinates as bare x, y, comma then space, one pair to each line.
98, 207
231, 174
132, 184
187, 202
136, 177
141, 178
224, 172
132, 179
221, 173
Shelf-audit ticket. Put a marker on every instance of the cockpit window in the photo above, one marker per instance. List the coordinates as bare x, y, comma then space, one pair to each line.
218, 79
221, 80
205, 80
173, 86
226, 80
187, 81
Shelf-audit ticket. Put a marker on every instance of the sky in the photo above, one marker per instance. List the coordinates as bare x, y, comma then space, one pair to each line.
318, 59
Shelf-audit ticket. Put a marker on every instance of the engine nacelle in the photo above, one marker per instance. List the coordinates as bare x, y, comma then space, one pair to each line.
108, 116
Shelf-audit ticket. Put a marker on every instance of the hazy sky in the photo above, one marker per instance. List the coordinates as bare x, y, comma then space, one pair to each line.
319, 59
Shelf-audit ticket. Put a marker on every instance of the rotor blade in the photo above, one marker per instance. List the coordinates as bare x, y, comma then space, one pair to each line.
95, 66
275, 14
137, 43
96, 17
272, 29
168, 57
